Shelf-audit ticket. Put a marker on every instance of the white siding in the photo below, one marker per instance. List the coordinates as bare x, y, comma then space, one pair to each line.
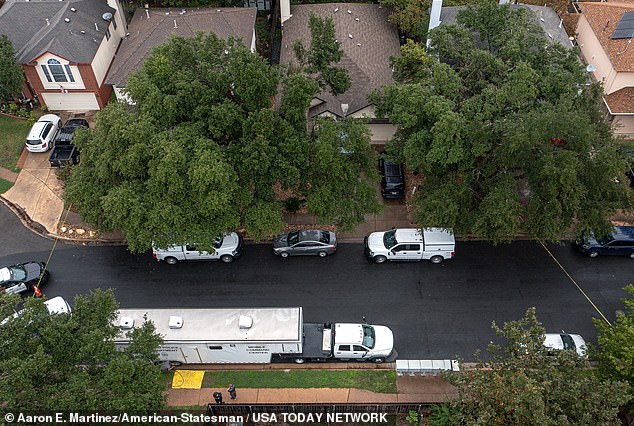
593, 53
71, 101
105, 54
623, 125
43, 60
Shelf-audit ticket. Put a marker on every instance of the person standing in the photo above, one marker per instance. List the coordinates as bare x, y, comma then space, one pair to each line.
218, 397
232, 391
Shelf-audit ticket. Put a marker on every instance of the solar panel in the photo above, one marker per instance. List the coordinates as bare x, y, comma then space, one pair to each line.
625, 27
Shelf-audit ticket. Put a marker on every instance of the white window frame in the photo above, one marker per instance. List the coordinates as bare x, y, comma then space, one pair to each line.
57, 78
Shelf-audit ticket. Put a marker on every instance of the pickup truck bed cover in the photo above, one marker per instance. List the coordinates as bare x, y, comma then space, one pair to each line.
313, 342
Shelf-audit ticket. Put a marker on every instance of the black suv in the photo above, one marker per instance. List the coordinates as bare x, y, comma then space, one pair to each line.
392, 178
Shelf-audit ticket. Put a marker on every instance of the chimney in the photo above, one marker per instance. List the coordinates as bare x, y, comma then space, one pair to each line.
285, 11
434, 16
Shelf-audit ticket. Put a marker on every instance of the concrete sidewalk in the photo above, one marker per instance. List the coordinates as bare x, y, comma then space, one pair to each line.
410, 389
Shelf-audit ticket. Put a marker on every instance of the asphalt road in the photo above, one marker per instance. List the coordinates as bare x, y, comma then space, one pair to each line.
435, 311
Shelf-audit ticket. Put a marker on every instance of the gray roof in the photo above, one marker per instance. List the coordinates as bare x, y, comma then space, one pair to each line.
543, 16
366, 55
152, 27
24, 22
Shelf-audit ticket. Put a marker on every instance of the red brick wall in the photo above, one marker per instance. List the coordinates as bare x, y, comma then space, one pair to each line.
90, 83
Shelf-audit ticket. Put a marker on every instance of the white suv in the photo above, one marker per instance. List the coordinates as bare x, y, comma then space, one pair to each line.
43, 132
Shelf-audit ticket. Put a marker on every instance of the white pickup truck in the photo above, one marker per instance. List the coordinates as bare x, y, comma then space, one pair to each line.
226, 248
411, 244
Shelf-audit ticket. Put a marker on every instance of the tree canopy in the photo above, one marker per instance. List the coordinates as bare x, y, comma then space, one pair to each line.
202, 151
53, 363
526, 383
10, 71
616, 342
505, 130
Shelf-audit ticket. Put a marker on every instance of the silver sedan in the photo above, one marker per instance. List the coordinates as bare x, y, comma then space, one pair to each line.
305, 243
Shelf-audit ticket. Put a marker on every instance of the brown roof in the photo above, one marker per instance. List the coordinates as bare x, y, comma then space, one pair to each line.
152, 27
621, 101
603, 18
366, 55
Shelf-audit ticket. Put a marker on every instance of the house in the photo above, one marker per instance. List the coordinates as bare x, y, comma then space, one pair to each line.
152, 27
65, 49
368, 42
604, 34
543, 16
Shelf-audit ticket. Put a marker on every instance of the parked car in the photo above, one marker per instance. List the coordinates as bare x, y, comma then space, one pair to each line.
22, 277
226, 248
566, 341
392, 178
43, 132
619, 242
305, 243
56, 305
64, 152
410, 244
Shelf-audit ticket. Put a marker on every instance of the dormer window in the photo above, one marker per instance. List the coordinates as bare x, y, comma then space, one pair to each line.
55, 71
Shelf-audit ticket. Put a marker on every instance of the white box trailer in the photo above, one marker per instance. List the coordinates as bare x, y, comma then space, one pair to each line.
201, 336
257, 335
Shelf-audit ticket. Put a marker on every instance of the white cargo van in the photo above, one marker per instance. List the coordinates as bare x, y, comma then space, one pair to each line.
226, 248
410, 244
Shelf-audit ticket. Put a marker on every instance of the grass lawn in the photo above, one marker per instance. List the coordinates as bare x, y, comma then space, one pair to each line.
5, 185
381, 381
12, 136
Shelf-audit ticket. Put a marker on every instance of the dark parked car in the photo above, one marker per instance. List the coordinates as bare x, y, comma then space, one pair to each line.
64, 152
392, 178
620, 242
22, 277
305, 243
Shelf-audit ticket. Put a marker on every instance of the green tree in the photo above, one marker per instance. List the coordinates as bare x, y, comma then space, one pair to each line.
410, 16
323, 53
203, 150
525, 383
342, 172
504, 130
11, 76
615, 353
63, 362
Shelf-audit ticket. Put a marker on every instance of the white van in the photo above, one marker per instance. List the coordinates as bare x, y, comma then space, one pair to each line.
411, 244
226, 248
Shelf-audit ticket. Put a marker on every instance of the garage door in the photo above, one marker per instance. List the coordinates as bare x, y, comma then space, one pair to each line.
70, 101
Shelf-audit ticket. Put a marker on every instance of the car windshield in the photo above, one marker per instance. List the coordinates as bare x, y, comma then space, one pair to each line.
368, 336
389, 239
218, 242
12, 273
568, 342
293, 238
324, 237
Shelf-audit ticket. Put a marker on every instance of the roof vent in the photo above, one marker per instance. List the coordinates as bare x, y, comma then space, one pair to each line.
344, 108
67, 20
47, 21
126, 323
591, 68
83, 32
96, 27
336, 9
245, 322
175, 26
175, 322
106, 16
72, 9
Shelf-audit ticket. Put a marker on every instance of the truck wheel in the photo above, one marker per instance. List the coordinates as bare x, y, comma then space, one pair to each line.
593, 254
171, 260
284, 254
380, 259
226, 258
322, 254
378, 360
299, 360
631, 255
436, 259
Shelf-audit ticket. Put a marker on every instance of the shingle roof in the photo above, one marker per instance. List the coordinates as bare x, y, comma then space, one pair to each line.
603, 19
621, 101
545, 17
25, 23
152, 27
366, 55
